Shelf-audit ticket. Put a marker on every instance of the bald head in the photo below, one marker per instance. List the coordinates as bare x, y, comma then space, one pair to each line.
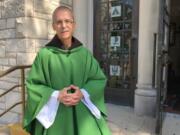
61, 8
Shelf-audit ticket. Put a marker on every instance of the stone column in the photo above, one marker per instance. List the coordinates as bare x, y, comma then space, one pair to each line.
90, 25
145, 94
83, 11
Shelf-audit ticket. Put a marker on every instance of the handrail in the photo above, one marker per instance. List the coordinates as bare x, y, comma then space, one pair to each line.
22, 85
7, 110
3, 73
9, 90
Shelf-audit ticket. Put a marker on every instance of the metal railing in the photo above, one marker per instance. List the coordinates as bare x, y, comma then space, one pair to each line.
22, 85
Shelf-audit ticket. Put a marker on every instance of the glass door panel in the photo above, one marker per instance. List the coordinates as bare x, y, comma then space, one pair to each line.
113, 46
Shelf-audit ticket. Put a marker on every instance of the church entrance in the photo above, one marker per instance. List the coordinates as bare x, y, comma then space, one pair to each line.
168, 79
172, 103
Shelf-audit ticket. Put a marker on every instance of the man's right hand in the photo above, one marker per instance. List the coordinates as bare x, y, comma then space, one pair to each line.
64, 97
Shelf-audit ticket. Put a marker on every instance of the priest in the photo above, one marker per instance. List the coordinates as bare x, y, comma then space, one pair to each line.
65, 86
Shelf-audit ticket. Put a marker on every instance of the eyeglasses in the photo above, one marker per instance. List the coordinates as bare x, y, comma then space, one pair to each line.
67, 22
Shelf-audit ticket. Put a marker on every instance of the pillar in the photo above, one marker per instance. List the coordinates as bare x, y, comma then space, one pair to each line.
83, 11
145, 94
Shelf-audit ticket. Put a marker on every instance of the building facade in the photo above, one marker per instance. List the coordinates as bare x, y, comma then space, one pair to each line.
126, 37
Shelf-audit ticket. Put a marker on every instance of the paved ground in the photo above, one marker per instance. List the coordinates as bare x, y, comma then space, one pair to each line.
123, 121
171, 125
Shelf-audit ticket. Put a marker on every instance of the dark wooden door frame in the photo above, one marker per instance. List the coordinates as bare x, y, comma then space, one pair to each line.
111, 94
162, 55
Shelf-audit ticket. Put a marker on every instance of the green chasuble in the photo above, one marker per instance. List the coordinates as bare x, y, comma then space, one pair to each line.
53, 69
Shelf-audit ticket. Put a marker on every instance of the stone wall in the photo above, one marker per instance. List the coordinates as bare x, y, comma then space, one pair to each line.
25, 26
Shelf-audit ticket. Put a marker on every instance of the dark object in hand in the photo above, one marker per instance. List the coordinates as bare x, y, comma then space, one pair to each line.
71, 91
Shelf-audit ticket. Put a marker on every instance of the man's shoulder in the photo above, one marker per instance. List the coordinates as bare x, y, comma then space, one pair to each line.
49, 50
43, 52
86, 50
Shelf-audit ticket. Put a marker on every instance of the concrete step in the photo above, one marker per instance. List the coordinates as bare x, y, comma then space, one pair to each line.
4, 130
12, 129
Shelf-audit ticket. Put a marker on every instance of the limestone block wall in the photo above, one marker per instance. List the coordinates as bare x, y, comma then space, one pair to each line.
25, 26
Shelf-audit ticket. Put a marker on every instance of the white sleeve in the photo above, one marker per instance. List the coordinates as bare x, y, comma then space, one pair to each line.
86, 100
47, 114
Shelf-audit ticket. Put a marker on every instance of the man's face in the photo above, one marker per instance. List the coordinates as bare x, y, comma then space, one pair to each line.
64, 25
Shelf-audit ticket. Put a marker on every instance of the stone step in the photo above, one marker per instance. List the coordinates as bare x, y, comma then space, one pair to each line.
12, 129
4, 130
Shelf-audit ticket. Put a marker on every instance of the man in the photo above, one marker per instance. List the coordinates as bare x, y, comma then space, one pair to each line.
65, 86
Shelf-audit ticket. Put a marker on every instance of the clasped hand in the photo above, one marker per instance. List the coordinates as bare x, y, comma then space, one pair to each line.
68, 98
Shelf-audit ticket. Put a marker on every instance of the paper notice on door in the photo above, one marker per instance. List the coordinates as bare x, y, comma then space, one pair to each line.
115, 41
115, 70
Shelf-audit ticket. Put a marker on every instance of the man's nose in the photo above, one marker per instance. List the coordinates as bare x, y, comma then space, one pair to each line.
63, 24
